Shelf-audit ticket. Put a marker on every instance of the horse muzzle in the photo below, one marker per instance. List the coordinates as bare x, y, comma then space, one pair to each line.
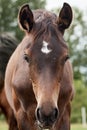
46, 120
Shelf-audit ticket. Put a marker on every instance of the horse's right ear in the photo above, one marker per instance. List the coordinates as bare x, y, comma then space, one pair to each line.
25, 18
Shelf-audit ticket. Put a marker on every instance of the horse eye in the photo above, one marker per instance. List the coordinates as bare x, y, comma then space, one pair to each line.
66, 58
26, 57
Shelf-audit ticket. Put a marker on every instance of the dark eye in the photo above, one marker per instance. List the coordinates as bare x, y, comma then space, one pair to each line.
66, 58
26, 57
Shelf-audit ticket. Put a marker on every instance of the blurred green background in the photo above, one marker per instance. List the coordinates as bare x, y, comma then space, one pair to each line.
76, 38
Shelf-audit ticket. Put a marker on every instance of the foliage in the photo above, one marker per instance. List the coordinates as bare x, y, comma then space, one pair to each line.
2, 117
9, 12
79, 102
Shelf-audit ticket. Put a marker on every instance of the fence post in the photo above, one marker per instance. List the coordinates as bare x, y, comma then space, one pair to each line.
83, 111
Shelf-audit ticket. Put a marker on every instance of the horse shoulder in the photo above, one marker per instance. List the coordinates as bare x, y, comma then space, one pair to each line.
9, 75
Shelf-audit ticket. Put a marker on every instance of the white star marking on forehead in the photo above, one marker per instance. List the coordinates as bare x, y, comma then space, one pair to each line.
45, 48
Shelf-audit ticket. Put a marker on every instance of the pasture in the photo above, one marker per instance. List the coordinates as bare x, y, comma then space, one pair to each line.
78, 127
3, 126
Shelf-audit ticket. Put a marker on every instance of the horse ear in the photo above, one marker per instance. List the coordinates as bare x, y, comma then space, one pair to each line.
25, 18
65, 17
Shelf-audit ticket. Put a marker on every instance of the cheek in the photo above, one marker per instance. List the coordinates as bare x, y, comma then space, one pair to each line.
34, 82
59, 74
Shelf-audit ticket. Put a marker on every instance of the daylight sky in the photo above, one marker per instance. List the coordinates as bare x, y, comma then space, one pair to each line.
82, 4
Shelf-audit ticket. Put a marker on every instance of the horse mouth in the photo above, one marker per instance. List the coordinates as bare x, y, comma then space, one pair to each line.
44, 126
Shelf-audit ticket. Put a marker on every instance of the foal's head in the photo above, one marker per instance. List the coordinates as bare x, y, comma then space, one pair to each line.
46, 55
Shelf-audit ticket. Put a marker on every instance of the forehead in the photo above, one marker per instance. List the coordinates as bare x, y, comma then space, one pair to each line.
48, 48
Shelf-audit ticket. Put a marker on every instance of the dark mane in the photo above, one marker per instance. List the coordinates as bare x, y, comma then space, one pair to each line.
7, 46
43, 15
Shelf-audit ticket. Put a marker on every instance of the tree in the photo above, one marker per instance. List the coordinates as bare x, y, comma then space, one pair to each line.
9, 12
6, 15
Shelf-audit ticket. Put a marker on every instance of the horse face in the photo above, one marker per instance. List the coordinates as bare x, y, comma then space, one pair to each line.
46, 63
46, 56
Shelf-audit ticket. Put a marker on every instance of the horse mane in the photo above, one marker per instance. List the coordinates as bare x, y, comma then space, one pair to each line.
7, 46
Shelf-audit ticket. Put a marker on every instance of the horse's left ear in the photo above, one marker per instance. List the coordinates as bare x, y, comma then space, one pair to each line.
25, 18
65, 17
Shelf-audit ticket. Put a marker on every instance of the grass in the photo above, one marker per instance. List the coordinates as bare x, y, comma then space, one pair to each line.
78, 127
4, 126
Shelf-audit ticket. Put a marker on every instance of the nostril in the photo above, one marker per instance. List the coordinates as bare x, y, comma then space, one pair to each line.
38, 113
55, 114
